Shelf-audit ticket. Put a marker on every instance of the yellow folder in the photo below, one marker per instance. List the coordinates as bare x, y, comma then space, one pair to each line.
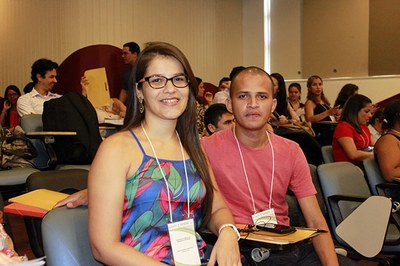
98, 92
41, 198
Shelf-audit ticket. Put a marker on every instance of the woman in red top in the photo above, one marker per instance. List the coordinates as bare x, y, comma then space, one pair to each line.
9, 116
352, 138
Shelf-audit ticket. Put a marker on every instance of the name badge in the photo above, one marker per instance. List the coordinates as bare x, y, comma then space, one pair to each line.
183, 243
267, 216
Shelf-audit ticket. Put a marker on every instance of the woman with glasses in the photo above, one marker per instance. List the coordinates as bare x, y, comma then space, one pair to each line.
150, 186
9, 116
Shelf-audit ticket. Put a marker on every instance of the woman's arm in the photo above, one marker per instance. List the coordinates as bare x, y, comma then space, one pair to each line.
292, 113
309, 110
388, 151
226, 249
106, 186
349, 147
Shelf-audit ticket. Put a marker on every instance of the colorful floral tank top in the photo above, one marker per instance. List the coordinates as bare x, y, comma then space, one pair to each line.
146, 212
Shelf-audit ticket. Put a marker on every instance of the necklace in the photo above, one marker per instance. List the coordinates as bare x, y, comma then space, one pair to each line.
163, 174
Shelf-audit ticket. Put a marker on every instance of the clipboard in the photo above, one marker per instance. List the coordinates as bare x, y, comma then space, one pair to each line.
98, 92
276, 241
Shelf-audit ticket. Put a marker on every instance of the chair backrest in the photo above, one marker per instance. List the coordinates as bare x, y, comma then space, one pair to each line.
327, 153
33, 123
67, 181
345, 179
373, 175
295, 213
65, 238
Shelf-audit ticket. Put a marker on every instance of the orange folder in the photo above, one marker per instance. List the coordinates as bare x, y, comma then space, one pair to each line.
24, 210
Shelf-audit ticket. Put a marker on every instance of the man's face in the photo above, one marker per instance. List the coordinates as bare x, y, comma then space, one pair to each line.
47, 82
225, 85
128, 56
252, 100
226, 121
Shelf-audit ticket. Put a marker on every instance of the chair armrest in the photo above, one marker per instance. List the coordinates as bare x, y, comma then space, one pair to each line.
383, 187
333, 202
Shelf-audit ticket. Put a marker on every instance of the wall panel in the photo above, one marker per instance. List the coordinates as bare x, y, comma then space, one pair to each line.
208, 31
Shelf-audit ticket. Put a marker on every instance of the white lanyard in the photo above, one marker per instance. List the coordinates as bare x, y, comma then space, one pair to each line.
365, 142
245, 172
163, 174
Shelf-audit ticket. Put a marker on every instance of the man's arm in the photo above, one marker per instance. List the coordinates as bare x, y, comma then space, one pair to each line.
24, 107
323, 243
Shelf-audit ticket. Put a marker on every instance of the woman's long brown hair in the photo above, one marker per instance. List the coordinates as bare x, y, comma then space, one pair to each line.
186, 125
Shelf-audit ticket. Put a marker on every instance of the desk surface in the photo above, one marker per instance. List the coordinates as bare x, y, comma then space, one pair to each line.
51, 133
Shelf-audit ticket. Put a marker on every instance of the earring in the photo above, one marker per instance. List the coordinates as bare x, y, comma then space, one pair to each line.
141, 106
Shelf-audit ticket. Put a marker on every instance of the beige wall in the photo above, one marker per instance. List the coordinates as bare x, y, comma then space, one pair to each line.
286, 31
335, 38
384, 37
209, 32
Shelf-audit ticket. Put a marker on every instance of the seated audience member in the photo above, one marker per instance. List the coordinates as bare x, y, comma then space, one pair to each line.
130, 52
345, 93
138, 223
317, 109
43, 75
223, 93
294, 98
217, 118
9, 115
387, 148
283, 118
375, 125
268, 166
283, 113
200, 107
352, 138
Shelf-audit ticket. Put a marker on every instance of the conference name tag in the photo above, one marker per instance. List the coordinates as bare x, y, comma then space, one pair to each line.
267, 216
183, 242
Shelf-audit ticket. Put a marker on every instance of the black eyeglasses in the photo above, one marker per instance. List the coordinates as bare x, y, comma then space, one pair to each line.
159, 82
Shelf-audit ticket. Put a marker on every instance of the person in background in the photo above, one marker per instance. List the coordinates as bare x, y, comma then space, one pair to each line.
223, 93
9, 115
294, 91
217, 118
317, 108
387, 148
44, 77
283, 113
201, 107
375, 125
284, 116
352, 138
130, 53
345, 93
160, 176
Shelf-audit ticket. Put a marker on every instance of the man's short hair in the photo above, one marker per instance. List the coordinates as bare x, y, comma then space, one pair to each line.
235, 71
251, 70
133, 47
224, 79
213, 114
40, 67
